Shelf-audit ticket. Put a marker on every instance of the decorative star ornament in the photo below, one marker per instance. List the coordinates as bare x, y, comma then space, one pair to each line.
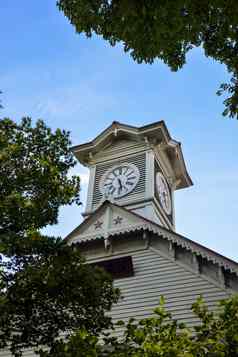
117, 220
98, 225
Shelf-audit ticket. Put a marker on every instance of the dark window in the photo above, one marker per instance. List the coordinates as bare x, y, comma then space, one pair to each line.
118, 268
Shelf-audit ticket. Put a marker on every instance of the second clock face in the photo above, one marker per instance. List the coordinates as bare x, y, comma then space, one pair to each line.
163, 192
119, 180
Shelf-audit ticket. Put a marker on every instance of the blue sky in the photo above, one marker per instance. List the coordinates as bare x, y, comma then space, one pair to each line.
47, 71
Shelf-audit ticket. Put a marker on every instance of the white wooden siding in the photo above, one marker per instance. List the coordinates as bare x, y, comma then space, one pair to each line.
156, 275
27, 353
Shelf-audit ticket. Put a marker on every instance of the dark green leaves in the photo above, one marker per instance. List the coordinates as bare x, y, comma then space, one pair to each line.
46, 289
165, 30
56, 293
34, 180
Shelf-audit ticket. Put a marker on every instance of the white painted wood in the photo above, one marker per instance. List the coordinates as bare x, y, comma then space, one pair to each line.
155, 276
92, 171
125, 147
149, 185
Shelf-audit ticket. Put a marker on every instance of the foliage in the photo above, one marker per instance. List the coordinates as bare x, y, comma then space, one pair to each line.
34, 179
46, 289
165, 30
53, 295
80, 344
161, 336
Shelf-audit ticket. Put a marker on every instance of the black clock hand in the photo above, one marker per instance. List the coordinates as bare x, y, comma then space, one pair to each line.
120, 185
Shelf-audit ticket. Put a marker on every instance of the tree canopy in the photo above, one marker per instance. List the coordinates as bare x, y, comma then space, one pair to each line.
165, 30
34, 179
46, 289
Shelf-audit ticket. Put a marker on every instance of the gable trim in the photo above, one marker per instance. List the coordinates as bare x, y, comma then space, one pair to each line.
147, 225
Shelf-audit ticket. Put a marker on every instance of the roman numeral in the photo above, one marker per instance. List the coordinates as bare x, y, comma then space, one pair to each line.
129, 173
112, 189
108, 184
131, 177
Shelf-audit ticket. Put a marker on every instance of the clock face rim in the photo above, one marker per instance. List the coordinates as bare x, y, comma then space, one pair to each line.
160, 176
110, 170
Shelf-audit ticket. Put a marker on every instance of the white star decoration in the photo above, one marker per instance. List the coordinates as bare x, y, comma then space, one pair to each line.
117, 220
98, 224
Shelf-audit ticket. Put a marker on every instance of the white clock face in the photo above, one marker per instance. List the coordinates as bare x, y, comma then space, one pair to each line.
163, 192
119, 180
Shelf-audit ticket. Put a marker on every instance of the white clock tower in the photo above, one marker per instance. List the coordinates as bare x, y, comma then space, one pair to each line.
129, 228
138, 168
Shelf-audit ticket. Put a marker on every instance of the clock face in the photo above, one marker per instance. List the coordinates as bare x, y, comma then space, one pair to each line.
163, 192
119, 180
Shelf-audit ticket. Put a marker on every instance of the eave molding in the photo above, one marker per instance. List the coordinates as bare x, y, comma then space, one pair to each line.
153, 134
141, 224
171, 237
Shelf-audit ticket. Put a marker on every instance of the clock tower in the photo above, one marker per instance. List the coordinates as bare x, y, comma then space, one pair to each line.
138, 168
129, 229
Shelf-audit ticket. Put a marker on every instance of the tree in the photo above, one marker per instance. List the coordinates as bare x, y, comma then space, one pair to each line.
161, 336
34, 179
165, 30
46, 289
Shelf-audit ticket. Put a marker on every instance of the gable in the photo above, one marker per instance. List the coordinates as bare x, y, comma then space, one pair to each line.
116, 145
108, 220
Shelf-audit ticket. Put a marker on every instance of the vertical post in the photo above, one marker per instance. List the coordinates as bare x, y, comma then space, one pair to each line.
150, 172
89, 203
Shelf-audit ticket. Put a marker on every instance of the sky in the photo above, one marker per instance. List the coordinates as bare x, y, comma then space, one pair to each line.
48, 71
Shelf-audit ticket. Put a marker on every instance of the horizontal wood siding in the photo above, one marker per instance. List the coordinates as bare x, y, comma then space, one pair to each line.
27, 353
156, 276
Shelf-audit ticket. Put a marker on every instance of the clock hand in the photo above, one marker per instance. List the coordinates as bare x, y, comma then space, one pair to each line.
120, 185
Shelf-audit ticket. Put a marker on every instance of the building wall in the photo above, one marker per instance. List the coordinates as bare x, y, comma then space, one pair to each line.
156, 275
158, 270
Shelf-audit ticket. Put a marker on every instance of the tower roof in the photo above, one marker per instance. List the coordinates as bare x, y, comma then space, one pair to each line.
155, 133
